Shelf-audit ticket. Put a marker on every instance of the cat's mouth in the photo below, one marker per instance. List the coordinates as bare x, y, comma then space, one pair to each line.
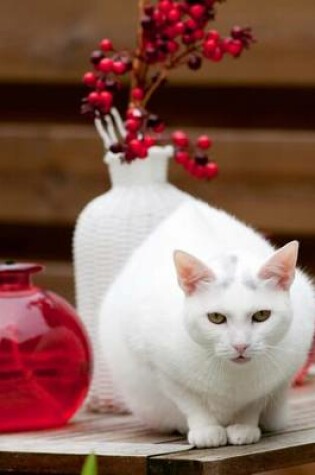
241, 359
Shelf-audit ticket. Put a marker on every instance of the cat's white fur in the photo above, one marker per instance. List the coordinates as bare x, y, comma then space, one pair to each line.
173, 367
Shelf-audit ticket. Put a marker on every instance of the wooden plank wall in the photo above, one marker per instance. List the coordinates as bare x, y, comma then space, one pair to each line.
260, 111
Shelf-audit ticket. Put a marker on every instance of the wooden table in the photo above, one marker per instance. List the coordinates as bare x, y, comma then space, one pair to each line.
125, 447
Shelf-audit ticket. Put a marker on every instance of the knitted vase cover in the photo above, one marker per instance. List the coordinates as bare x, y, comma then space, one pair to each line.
108, 230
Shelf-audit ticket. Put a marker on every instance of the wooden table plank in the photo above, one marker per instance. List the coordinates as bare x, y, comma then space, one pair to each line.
277, 451
125, 446
293, 446
121, 443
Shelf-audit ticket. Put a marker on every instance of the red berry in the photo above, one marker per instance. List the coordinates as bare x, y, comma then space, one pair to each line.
165, 6
119, 67
147, 22
170, 32
191, 25
158, 17
237, 32
100, 85
197, 11
149, 141
106, 65
199, 34
209, 47
89, 79
234, 47
127, 62
194, 62
130, 136
136, 146
137, 93
204, 142
112, 84
217, 54
213, 35
182, 6
200, 171
159, 128
137, 113
179, 28
93, 98
148, 10
116, 148
143, 152
172, 46
132, 125
96, 57
212, 170
180, 139
106, 45
129, 113
129, 155
173, 15
188, 39
182, 157
201, 159
106, 100
134, 113
190, 166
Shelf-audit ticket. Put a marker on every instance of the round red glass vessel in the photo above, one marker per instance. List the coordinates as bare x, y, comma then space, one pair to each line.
45, 358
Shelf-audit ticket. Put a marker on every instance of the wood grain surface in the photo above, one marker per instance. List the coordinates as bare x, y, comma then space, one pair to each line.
124, 446
292, 447
52, 171
51, 41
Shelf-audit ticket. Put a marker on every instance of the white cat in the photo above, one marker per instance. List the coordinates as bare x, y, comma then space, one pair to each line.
208, 344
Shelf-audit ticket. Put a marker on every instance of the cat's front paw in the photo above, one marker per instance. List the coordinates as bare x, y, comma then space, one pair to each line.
240, 434
209, 436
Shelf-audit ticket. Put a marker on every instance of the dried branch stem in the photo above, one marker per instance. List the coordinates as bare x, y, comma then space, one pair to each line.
165, 71
138, 66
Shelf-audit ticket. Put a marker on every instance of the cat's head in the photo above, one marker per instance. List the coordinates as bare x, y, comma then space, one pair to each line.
238, 310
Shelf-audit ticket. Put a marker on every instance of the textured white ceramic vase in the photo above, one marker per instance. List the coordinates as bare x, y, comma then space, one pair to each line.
107, 231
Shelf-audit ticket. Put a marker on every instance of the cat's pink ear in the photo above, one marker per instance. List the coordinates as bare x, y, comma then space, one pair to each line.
191, 272
280, 268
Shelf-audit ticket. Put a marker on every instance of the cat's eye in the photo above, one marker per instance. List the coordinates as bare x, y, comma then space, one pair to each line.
216, 318
261, 316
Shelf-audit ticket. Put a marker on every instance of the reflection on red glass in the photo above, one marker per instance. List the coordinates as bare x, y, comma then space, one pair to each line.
45, 362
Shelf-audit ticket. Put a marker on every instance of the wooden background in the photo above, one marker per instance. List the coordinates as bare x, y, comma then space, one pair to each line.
260, 110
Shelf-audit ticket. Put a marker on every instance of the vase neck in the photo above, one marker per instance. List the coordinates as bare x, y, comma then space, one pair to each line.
15, 282
148, 171
17, 276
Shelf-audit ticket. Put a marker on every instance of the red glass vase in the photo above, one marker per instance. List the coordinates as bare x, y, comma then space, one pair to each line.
45, 358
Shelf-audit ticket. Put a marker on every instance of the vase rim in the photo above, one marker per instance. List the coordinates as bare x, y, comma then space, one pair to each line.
156, 150
12, 267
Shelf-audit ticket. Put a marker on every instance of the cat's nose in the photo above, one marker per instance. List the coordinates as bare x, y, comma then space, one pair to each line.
240, 348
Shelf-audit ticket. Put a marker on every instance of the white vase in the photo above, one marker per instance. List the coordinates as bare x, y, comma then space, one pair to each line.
107, 231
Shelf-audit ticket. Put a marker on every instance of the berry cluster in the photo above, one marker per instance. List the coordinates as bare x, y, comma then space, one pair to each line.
109, 65
171, 33
198, 164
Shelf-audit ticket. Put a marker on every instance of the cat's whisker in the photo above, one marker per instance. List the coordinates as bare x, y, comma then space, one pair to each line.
275, 364
282, 350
